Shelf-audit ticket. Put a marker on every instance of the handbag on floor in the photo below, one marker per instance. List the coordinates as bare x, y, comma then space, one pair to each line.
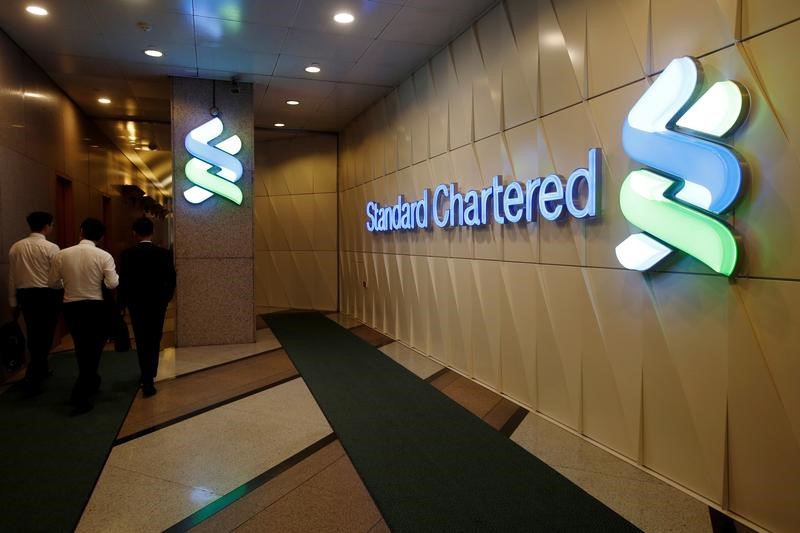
12, 346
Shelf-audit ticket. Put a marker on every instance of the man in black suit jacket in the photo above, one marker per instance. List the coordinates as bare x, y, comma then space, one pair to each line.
146, 285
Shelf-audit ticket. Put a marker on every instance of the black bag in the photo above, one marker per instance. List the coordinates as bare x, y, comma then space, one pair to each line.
117, 329
121, 337
12, 346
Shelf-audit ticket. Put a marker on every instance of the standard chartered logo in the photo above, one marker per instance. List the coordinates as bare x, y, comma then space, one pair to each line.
691, 178
213, 169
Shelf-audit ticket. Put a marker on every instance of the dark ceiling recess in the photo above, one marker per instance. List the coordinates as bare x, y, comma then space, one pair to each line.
136, 197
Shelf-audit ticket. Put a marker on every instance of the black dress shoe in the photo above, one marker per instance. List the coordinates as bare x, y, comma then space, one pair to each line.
31, 388
80, 408
148, 391
44, 376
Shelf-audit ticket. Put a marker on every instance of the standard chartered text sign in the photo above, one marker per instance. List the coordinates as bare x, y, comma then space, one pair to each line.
511, 203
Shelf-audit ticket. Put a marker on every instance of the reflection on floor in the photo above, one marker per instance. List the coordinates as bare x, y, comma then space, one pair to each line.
322, 493
178, 361
246, 429
153, 481
206, 389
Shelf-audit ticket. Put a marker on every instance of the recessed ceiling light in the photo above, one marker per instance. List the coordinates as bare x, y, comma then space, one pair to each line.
36, 10
152, 52
292, 102
313, 68
104, 100
279, 124
344, 18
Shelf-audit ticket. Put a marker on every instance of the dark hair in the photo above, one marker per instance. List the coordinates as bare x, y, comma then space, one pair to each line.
38, 220
93, 229
143, 227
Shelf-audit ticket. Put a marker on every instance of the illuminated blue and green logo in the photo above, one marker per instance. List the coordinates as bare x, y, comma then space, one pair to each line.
213, 169
691, 178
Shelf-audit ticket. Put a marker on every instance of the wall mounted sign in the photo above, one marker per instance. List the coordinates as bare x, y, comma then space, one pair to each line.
691, 177
505, 204
207, 157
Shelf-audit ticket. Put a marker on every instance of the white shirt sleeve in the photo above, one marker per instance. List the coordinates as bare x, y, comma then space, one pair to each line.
52, 250
110, 272
54, 279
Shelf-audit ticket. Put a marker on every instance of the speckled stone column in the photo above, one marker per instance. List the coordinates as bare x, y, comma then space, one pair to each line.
213, 239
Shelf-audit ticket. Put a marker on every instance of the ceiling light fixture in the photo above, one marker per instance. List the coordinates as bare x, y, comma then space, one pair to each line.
343, 18
313, 68
103, 100
36, 10
292, 102
279, 124
152, 52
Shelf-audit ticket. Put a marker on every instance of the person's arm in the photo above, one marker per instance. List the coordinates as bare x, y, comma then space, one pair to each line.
124, 280
54, 278
51, 254
110, 276
12, 283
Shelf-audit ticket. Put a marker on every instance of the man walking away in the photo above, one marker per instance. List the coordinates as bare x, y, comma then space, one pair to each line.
83, 268
28, 292
147, 283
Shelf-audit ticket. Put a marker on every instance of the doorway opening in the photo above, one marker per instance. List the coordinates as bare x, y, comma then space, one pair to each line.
108, 240
65, 213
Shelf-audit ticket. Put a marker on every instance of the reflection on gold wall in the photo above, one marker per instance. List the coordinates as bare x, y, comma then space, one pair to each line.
44, 135
686, 373
296, 223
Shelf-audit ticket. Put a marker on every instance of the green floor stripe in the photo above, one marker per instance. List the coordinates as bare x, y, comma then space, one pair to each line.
428, 463
205, 513
49, 460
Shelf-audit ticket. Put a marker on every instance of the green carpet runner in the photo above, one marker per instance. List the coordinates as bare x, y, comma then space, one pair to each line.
429, 464
50, 460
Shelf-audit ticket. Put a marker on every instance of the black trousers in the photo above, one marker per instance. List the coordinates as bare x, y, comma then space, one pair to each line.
40, 310
148, 325
88, 323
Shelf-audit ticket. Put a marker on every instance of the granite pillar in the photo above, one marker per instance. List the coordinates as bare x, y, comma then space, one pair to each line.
213, 238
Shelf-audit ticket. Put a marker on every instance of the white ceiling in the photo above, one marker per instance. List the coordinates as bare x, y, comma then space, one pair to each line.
94, 48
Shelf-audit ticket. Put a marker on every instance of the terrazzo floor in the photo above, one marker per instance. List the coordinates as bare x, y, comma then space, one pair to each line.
239, 421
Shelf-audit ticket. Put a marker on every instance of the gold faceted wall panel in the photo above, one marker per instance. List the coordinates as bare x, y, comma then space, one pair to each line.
295, 219
691, 375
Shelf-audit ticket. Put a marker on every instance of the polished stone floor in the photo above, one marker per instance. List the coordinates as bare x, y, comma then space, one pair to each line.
236, 425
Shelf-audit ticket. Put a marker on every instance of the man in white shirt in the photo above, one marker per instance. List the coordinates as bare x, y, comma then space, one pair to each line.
83, 269
29, 292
